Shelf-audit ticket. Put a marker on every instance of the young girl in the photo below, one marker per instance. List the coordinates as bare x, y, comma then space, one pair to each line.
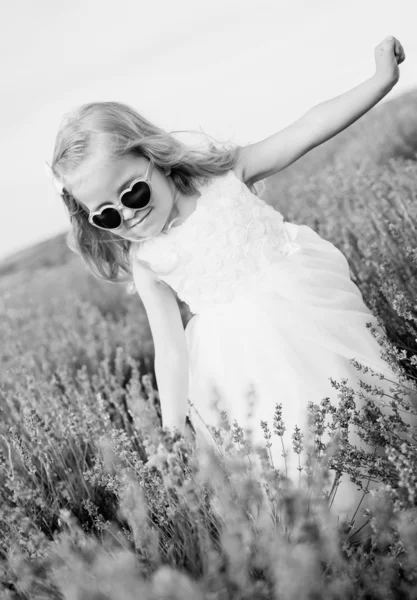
273, 303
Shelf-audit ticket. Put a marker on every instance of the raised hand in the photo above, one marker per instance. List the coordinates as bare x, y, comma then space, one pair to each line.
388, 55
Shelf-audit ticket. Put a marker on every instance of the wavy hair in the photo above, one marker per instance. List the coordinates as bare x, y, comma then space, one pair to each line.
122, 131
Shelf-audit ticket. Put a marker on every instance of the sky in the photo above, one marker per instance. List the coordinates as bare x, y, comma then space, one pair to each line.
238, 70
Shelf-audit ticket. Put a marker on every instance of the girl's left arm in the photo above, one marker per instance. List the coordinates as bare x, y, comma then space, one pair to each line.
323, 121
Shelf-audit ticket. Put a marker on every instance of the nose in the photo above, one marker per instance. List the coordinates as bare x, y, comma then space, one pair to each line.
128, 213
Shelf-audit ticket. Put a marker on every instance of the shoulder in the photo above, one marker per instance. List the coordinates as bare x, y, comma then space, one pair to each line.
238, 172
240, 169
147, 283
140, 267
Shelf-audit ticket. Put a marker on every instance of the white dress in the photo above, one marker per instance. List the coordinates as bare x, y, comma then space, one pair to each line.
274, 306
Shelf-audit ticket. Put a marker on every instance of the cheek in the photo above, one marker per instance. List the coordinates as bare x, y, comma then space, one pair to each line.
160, 204
161, 194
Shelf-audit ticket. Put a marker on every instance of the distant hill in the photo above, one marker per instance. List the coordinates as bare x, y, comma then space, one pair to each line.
388, 130
48, 253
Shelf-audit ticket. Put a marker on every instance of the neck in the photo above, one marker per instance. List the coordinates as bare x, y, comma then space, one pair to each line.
177, 195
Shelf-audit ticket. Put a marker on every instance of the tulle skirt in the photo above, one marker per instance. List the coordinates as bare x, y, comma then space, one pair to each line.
284, 340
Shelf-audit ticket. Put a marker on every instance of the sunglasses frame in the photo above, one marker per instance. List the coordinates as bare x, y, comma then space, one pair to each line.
146, 178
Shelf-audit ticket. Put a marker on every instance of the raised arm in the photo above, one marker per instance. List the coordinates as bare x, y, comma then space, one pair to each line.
323, 121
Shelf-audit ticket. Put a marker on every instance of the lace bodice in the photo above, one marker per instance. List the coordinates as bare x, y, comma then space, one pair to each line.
222, 248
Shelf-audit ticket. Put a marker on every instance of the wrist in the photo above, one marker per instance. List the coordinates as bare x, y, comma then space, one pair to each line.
385, 83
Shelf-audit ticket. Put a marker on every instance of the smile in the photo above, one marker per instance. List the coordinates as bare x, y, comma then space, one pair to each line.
140, 220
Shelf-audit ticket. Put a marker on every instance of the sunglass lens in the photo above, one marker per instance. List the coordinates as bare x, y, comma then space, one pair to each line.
138, 196
109, 218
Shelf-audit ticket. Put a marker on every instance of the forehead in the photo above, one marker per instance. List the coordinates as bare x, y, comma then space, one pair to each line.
98, 178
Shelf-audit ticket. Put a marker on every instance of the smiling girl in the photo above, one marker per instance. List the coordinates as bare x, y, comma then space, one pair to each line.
274, 305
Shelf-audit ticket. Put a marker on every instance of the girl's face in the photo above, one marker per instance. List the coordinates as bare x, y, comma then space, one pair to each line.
100, 180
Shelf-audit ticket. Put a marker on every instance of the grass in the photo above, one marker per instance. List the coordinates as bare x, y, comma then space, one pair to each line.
97, 502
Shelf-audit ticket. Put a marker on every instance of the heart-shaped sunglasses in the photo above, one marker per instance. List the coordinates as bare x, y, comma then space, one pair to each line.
136, 197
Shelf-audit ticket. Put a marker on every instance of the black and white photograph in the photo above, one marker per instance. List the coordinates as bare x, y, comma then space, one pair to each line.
208, 314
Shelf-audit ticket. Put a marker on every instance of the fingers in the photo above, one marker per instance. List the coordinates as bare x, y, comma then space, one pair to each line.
398, 49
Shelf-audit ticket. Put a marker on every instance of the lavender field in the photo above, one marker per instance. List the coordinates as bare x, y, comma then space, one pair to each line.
99, 503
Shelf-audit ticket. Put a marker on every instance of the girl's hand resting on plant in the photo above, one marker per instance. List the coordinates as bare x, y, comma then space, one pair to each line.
186, 432
189, 434
388, 55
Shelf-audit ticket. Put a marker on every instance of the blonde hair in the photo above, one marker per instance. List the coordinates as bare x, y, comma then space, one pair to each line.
123, 131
